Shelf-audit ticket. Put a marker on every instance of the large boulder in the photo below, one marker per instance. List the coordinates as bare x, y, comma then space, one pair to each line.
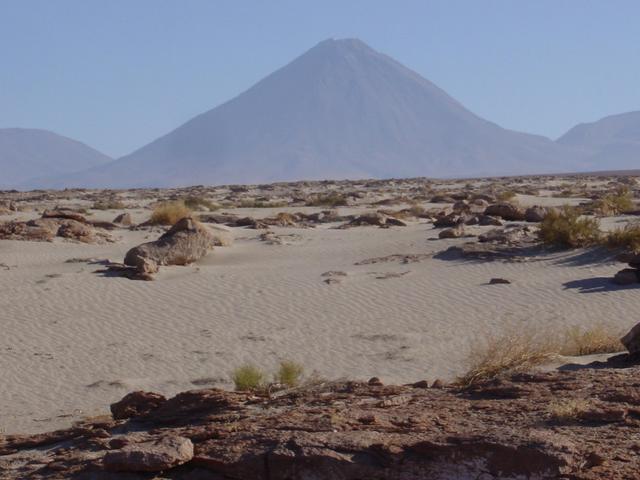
186, 242
506, 211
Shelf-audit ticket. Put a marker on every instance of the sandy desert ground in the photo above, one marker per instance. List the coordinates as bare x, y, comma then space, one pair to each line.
74, 340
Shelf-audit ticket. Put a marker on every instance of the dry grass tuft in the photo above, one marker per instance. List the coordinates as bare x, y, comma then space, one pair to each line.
506, 196
567, 228
248, 378
590, 341
567, 411
289, 374
627, 238
511, 352
168, 213
200, 203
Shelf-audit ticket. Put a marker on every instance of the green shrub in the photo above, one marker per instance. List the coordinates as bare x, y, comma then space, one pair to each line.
248, 377
289, 373
566, 228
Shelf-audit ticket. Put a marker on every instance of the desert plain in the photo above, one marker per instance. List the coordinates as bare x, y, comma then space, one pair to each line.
367, 288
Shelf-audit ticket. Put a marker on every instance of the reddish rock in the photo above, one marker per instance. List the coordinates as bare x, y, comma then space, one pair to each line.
153, 456
137, 404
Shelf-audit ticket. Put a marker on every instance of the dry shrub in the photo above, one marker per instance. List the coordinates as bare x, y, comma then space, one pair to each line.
200, 203
168, 213
511, 352
333, 199
627, 238
260, 204
589, 341
506, 196
616, 203
566, 228
108, 205
566, 411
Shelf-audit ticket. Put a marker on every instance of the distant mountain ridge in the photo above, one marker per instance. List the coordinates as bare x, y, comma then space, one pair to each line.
28, 154
613, 139
342, 110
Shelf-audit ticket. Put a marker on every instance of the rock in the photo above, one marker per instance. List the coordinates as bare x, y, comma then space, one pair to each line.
396, 222
76, 230
374, 382
488, 220
124, 219
455, 232
186, 242
631, 340
437, 383
450, 220
506, 211
507, 235
152, 456
628, 276
535, 214
461, 206
66, 214
498, 281
421, 384
13, 230
634, 261
136, 404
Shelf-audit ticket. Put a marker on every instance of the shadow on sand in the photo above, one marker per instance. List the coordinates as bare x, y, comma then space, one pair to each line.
622, 360
596, 285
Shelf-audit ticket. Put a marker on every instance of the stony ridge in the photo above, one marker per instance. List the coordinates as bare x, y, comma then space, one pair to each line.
504, 429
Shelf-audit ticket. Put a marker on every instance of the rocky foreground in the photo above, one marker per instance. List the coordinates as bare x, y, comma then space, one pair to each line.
573, 424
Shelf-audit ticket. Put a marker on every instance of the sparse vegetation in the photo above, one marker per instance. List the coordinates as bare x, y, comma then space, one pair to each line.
260, 204
567, 410
108, 205
512, 352
521, 350
200, 203
613, 204
248, 377
506, 196
590, 341
627, 238
168, 213
567, 228
289, 373
333, 199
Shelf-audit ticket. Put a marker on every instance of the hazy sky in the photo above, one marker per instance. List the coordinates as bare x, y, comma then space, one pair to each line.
117, 74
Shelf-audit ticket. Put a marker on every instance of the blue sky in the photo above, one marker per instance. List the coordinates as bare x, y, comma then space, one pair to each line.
117, 74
